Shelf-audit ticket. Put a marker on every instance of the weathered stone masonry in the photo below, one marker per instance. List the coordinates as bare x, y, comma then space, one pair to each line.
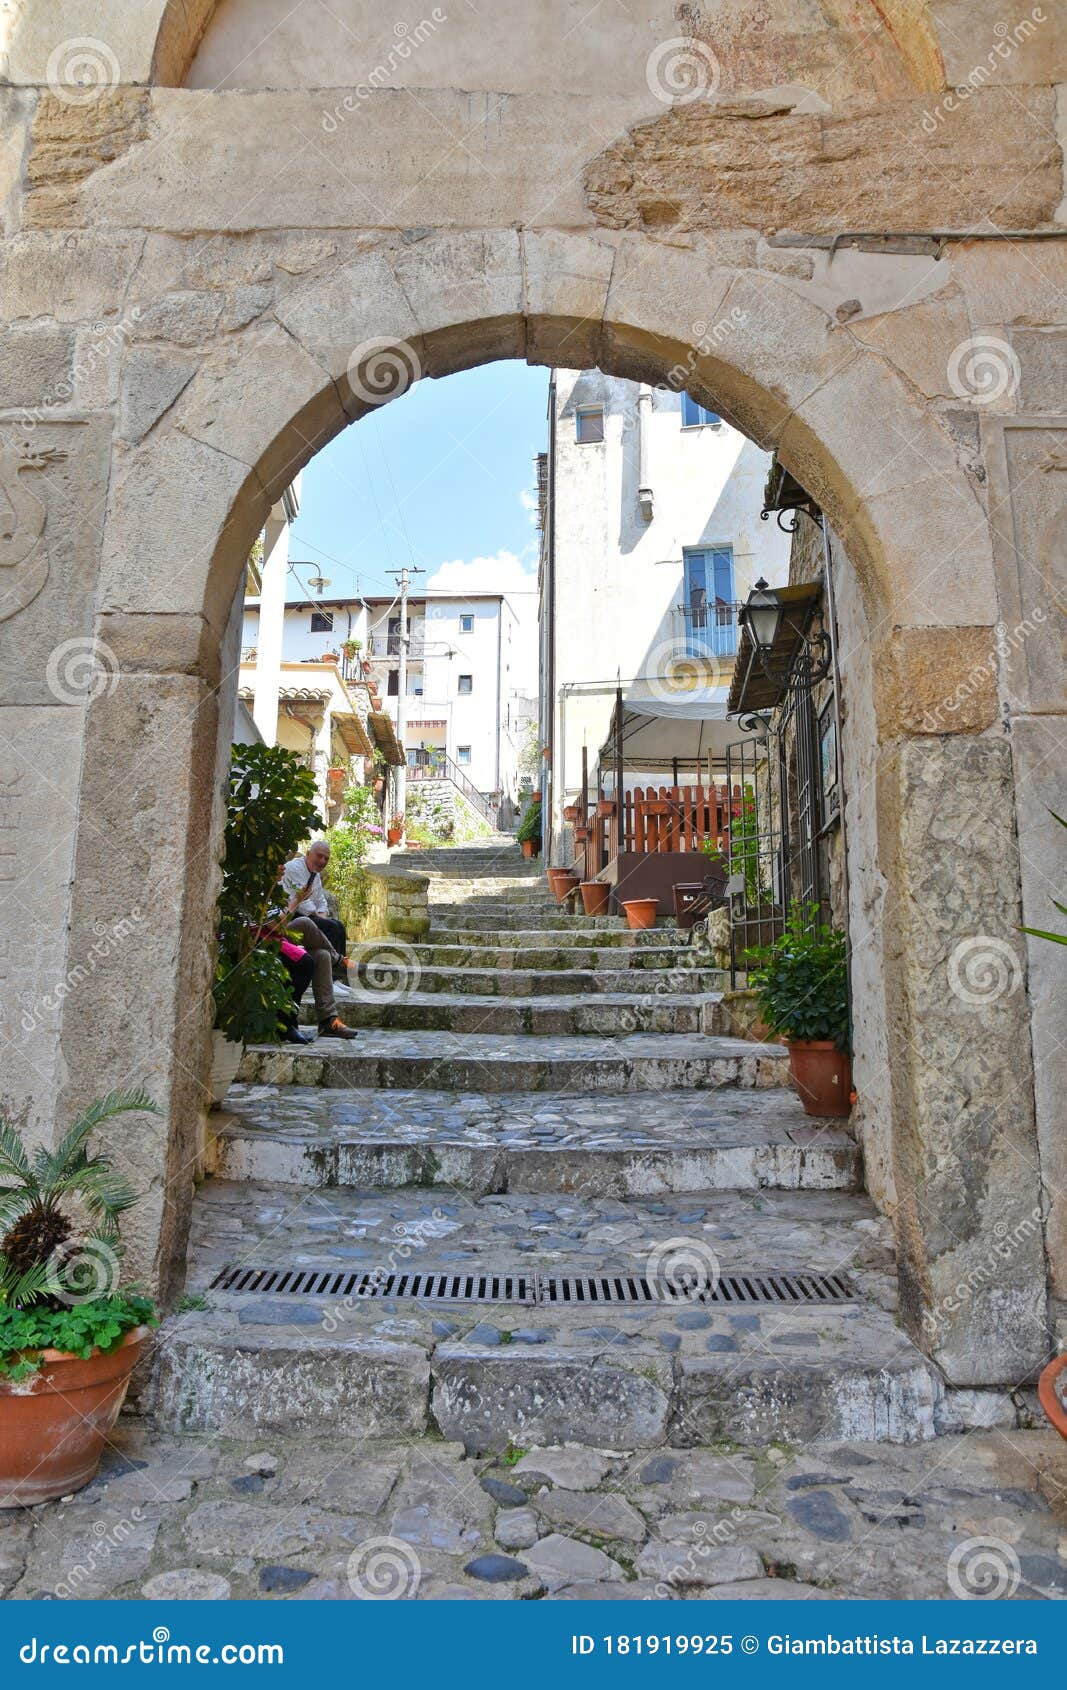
188, 282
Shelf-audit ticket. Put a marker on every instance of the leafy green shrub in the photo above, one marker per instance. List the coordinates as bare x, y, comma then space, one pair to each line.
346, 877
60, 1246
269, 813
530, 827
802, 980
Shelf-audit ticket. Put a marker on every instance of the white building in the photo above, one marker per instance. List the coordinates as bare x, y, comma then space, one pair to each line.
471, 667
650, 538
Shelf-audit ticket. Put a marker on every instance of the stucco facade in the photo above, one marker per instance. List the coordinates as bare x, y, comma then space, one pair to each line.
196, 285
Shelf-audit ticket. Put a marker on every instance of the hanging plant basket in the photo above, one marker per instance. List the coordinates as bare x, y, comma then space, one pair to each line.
657, 807
570, 812
605, 808
581, 834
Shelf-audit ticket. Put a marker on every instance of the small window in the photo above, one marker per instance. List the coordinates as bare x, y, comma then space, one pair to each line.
466, 624
463, 754
322, 621
466, 683
392, 685
696, 416
590, 425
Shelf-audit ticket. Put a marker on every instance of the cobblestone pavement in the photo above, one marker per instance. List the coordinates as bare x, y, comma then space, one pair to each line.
341, 1519
530, 1120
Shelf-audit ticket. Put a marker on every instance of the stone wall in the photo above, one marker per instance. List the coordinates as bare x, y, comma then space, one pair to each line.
178, 336
394, 904
442, 807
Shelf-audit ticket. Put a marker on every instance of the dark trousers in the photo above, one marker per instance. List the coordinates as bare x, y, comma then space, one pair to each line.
299, 970
334, 931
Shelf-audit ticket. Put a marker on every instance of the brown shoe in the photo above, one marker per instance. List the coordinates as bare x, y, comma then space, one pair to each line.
336, 1029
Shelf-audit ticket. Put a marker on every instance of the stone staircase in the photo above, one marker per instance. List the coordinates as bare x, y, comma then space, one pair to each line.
544, 1109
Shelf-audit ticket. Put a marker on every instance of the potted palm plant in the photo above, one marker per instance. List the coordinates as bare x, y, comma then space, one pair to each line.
69, 1337
802, 988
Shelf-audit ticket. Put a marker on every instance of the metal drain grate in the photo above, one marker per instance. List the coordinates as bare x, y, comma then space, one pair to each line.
559, 1290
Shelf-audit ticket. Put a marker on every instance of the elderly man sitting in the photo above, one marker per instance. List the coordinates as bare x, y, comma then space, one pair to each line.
304, 874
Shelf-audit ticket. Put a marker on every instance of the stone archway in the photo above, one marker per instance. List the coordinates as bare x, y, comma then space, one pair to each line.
242, 313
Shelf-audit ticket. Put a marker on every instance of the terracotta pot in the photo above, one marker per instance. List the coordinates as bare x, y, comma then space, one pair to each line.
570, 812
605, 808
563, 884
822, 1075
394, 835
595, 896
641, 912
535, 796
658, 807
581, 834
53, 1426
527, 848
1049, 1396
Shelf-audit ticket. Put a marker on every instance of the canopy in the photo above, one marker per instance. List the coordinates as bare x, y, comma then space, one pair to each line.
689, 726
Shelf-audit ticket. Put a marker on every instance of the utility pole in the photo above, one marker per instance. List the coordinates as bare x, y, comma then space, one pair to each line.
402, 685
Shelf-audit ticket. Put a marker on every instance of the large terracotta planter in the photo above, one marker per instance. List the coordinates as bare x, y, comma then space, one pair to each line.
641, 912
822, 1075
225, 1060
53, 1426
527, 848
595, 896
563, 884
1048, 1394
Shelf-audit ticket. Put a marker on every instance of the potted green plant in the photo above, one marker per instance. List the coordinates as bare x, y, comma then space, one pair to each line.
529, 834
270, 811
394, 833
802, 988
69, 1337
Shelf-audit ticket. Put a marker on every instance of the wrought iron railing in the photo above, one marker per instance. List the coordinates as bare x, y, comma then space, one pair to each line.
438, 765
707, 630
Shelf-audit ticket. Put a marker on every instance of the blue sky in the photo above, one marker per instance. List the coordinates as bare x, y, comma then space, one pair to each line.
443, 475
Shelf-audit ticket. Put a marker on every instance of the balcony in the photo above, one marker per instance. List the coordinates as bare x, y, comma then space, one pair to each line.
388, 645
706, 630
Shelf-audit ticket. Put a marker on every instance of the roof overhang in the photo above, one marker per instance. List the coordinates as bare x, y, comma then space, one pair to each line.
383, 728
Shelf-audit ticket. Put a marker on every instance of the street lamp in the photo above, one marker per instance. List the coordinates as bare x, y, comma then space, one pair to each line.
761, 614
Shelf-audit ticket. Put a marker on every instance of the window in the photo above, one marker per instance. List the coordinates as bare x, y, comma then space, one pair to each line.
322, 621
463, 754
466, 624
708, 606
392, 685
590, 425
696, 416
466, 683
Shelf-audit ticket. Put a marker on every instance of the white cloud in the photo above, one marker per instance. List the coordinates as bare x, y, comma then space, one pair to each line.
529, 501
503, 573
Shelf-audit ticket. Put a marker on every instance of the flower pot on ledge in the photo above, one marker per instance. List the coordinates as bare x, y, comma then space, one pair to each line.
605, 808
822, 1075
641, 912
595, 896
570, 812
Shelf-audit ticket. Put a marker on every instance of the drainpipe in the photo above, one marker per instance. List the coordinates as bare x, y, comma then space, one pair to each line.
644, 448
548, 792
831, 621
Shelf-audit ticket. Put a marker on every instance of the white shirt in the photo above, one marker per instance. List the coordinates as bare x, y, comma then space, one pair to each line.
296, 876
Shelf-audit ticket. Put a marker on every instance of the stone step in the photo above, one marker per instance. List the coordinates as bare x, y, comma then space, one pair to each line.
512, 955
672, 1141
617, 1377
606, 1016
487, 1062
532, 982
581, 931
449, 921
